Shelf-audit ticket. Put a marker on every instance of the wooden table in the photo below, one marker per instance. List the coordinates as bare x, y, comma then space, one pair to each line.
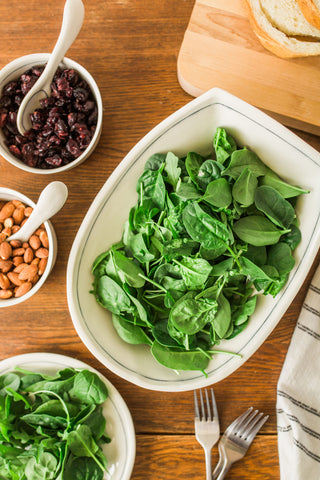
131, 48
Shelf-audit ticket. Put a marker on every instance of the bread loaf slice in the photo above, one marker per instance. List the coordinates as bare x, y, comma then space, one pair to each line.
287, 16
311, 11
274, 39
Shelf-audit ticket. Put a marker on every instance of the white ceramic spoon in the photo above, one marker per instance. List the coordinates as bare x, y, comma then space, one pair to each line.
73, 16
51, 200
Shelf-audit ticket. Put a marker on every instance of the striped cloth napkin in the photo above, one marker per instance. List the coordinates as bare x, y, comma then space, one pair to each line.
298, 395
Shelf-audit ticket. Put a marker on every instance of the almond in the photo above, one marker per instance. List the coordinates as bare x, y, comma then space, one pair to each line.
3, 237
14, 229
35, 279
44, 238
28, 273
5, 250
14, 278
34, 242
28, 255
17, 203
6, 211
20, 267
5, 265
7, 231
4, 294
42, 252
18, 215
28, 211
18, 251
15, 243
8, 222
23, 289
42, 265
4, 281
17, 261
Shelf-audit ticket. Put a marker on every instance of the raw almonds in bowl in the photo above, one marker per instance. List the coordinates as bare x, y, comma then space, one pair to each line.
24, 267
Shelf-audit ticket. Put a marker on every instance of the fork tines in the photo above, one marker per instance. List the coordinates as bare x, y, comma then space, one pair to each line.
248, 424
206, 412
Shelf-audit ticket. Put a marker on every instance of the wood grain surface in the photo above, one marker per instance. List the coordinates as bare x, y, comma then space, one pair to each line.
131, 49
219, 49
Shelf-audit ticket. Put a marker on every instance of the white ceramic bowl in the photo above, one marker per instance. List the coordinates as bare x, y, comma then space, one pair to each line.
120, 452
8, 194
191, 129
12, 71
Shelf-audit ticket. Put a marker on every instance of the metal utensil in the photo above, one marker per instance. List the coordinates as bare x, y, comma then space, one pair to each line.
237, 439
206, 425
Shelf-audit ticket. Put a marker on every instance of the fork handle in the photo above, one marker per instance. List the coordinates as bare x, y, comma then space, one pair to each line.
208, 464
221, 469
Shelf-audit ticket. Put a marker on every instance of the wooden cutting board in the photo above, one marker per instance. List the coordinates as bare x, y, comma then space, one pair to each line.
219, 49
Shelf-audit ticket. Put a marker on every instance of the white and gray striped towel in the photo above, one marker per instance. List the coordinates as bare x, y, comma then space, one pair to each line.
298, 395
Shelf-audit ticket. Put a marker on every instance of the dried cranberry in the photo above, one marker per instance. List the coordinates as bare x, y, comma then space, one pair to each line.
10, 88
5, 101
15, 150
3, 117
28, 154
55, 160
73, 148
61, 129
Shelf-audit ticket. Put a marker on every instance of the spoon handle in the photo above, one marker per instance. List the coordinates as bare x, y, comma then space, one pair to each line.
51, 200
73, 15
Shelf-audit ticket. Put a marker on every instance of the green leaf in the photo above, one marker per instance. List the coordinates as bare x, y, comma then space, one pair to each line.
172, 170
89, 388
218, 193
274, 206
222, 319
81, 442
242, 159
244, 187
193, 164
178, 359
257, 230
43, 468
130, 270
194, 271
203, 228
280, 257
130, 333
111, 296
224, 144
283, 188
209, 170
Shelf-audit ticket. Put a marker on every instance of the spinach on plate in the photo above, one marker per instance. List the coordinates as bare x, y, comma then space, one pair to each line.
52, 427
205, 236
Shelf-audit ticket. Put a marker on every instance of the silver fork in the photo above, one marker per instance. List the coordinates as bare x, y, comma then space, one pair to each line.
237, 439
206, 423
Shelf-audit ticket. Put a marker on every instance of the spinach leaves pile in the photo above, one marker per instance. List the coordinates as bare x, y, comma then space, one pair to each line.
52, 427
205, 235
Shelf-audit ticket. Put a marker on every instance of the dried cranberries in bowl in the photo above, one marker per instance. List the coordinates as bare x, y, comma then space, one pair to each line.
62, 128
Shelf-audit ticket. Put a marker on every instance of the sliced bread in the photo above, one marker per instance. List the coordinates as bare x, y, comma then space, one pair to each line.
311, 11
287, 16
276, 40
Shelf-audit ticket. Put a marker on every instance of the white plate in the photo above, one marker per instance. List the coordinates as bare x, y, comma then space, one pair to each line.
120, 452
191, 129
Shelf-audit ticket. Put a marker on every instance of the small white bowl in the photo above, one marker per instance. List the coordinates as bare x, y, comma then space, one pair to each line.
20, 65
7, 194
191, 129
